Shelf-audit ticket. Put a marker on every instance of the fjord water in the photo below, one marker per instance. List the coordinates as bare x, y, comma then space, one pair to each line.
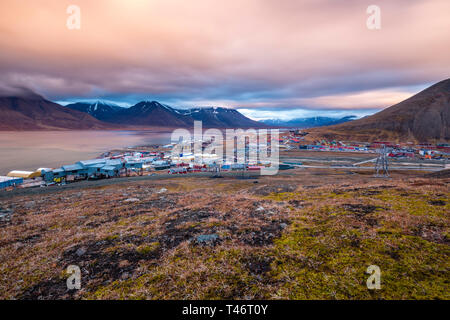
29, 150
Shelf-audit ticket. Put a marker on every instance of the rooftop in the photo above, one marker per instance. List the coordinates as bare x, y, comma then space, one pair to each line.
3, 178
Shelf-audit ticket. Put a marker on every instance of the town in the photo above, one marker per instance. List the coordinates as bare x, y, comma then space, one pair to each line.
163, 160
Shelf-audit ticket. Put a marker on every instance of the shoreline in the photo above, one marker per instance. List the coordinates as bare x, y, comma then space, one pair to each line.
30, 150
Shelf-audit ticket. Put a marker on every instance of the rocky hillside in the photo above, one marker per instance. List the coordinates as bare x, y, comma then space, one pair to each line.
33, 112
423, 117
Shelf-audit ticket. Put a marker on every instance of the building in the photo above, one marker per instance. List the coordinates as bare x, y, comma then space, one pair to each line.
161, 165
76, 170
133, 165
24, 174
85, 169
109, 171
6, 182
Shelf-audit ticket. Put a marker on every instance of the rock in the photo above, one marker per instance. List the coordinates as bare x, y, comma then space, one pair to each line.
162, 190
18, 245
80, 251
260, 208
207, 238
296, 203
124, 263
30, 204
124, 276
132, 200
283, 225
5, 214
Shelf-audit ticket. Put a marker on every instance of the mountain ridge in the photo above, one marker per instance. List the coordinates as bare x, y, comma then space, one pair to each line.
423, 117
33, 112
309, 122
98, 109
153, 113
25, 110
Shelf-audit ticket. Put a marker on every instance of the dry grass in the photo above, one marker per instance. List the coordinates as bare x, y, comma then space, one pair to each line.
300, 235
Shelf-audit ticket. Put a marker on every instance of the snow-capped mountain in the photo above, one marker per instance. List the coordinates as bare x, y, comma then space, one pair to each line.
101, 110
308, 122
153, 113
221, 117
149, 113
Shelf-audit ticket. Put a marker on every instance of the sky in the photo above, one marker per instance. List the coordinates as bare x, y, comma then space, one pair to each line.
267, 58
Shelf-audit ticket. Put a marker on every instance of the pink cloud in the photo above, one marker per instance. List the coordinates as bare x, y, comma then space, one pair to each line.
239, 51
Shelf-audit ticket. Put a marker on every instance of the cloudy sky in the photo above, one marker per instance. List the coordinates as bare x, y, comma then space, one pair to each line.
267, 58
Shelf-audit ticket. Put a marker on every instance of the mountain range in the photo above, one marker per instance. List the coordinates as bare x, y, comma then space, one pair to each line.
157, 114
30, 111
422, 117
308, 122
153, 113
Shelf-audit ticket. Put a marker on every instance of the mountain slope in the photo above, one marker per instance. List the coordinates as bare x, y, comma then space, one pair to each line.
100, 110
423, 117
33, 112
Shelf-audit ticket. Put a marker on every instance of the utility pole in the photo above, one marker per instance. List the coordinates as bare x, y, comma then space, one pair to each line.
382, 163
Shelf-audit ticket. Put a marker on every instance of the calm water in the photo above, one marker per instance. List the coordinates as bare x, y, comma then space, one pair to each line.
32, 150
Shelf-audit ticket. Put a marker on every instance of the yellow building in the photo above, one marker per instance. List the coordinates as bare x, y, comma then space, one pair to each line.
24, 174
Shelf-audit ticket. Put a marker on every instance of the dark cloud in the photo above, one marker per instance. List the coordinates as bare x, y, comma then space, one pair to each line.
254, 55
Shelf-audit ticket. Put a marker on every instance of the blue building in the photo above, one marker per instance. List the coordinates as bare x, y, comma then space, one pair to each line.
109, 171
6, 182
75, 170
91, 169
133, 165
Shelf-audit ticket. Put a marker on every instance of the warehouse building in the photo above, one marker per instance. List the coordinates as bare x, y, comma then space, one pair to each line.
6, 182
89, 169
24, 174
